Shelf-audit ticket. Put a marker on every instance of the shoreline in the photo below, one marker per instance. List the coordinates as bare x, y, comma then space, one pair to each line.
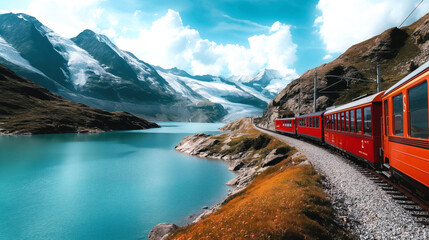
201, 146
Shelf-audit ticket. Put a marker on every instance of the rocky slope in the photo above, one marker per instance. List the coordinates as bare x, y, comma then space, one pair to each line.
247, 151
397, 51
27, 108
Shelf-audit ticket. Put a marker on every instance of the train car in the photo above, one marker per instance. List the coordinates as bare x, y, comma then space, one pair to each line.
405, 128
286, 125
355, 128
310, 126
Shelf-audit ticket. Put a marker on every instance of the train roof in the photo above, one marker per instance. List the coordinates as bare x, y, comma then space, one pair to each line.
365, 100
312, 114
285, 118
408, 77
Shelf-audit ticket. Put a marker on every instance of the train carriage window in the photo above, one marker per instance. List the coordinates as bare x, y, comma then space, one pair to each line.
347, 122
352, 121
367, 120
418, 106
317, 122
337, 122
386, 114
334, 122
359, 121
398, 126
342, 122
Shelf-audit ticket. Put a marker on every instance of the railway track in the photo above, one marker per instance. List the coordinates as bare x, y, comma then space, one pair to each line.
418, 207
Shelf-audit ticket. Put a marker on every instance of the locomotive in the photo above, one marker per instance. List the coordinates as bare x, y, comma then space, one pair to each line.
387, 131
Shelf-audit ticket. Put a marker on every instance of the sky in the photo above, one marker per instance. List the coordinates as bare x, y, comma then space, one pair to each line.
226, 37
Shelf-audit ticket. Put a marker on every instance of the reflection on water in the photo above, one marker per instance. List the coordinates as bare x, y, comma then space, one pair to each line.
114, 185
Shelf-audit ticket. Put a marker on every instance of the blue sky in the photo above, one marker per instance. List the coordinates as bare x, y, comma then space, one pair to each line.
226, 37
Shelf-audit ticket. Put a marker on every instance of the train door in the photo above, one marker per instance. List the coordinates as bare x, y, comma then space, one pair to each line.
385, 141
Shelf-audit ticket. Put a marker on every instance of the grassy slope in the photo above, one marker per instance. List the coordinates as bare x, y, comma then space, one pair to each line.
285, 201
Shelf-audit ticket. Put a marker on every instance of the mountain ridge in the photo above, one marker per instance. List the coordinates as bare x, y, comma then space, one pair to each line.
398, 51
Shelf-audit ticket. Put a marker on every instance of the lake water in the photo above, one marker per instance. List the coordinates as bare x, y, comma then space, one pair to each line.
114, 185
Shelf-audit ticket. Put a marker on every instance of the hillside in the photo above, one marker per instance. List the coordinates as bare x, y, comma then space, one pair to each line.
277, 194
397, 51
27, 108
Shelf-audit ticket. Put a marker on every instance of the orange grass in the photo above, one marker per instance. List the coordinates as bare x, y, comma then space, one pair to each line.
281, 203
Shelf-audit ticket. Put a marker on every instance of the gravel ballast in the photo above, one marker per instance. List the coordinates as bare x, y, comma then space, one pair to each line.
368, 210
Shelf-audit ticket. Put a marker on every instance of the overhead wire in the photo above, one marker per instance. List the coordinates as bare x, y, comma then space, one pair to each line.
410, 13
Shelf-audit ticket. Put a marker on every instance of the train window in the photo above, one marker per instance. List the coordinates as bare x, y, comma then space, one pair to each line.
367, 120
418, 105
347, 121
339, 121
342, 122
317, 122
336, 121
386, 114
352, 121
359, 121
398, 126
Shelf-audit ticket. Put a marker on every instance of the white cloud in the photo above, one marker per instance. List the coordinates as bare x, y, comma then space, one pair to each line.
112, 20
137, 12
169, 43
67, 18
111, 33
327, 56
344, 23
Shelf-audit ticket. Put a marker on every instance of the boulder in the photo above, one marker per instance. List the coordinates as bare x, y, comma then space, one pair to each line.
235, 166
161, 231
272, 158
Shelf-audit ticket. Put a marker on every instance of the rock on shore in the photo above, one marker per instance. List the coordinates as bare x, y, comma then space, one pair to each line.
161, 231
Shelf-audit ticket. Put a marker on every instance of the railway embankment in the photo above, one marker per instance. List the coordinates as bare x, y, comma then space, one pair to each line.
368, 210
277, 193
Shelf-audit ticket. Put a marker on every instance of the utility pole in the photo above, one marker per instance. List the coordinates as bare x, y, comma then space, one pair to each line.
315, 91
299, 102
378, 78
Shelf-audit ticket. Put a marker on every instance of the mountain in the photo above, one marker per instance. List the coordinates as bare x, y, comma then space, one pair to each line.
267, 83
239, 100
27, 108
92, 70
398, 51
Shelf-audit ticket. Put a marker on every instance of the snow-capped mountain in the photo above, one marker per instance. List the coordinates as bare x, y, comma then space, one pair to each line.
236, 100
91, 69
267, 83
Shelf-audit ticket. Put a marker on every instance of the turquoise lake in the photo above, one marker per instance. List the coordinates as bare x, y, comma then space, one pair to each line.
114, 185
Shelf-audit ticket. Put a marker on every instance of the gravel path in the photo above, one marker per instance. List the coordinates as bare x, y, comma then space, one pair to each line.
369, 211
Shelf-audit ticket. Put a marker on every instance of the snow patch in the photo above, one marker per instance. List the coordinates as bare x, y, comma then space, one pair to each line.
80, 64
11, 55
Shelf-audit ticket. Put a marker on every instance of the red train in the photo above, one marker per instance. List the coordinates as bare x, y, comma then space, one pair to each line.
388, 130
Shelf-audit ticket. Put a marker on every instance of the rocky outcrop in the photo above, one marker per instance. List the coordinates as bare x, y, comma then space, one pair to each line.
398, 51
161, 231
247, 151
27, 108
